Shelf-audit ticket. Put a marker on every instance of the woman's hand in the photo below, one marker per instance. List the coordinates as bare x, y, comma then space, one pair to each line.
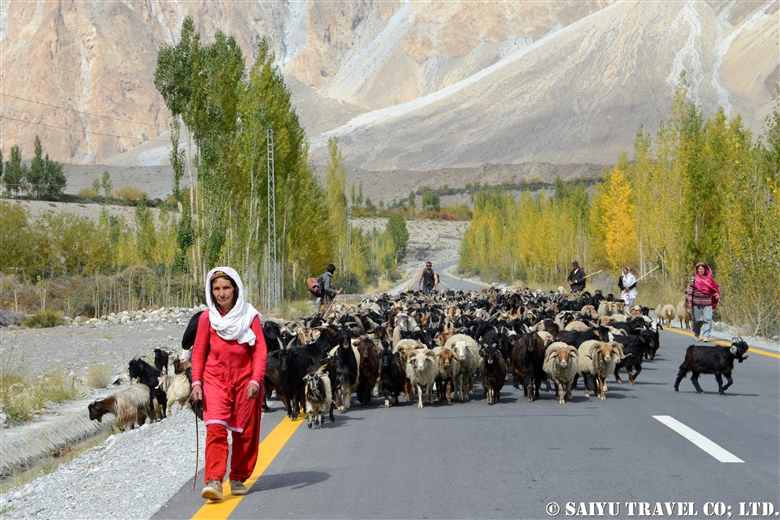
196, 394
252, 391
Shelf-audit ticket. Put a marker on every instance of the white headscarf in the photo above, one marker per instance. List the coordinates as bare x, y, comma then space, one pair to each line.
236, 324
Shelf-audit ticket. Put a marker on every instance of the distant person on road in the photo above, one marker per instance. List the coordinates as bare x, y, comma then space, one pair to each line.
576, 277
703, 298
329, 292
428, 279
627, 284
228, 368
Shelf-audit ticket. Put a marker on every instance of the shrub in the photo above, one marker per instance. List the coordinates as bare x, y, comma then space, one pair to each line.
172, 203
99, 376
87, 193
23, 396
130, 194
44, 320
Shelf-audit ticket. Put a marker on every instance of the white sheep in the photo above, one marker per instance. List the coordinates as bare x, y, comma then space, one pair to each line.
421, 371
468, 354
684, 315
666, 314
598, 359
607, 308
560, 365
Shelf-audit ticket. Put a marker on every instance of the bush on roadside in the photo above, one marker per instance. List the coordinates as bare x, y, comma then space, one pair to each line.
130, 193
44, 320
87, 193
22, 396
99, 376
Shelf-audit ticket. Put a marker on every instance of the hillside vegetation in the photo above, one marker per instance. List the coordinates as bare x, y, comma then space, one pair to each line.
704, 189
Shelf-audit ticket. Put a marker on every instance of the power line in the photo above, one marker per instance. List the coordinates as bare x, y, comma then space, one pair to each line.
76, 111
84, 131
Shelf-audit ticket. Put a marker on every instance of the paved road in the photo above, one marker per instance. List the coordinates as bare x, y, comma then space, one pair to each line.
510, 460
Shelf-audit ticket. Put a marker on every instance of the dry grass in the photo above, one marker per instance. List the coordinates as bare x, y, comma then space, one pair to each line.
99, 376
23, 395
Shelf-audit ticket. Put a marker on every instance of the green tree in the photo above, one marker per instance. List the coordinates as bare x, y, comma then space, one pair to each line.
430, 201
15, 172
352, 196
396, 230
54, 178
35, 176
412, 196
106, 184
360, 195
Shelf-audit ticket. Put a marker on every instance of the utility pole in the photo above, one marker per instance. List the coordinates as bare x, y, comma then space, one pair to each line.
272, 266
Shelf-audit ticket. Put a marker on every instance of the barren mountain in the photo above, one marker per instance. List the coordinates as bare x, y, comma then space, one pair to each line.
406, 84
580, 94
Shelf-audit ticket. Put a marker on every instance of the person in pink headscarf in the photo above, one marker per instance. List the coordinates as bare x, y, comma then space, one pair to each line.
703, 298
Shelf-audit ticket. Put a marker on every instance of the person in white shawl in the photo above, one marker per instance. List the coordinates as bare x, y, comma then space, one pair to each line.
627, 284
228, 369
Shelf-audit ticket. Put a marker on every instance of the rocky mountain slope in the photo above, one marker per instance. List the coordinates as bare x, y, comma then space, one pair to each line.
423, 84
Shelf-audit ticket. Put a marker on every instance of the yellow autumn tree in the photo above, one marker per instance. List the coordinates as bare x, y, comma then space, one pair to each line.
615, 226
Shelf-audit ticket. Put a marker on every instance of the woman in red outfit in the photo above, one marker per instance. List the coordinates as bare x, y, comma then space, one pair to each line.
228, 368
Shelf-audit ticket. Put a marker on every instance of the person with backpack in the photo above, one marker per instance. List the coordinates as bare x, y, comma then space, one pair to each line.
329, 292
428, 279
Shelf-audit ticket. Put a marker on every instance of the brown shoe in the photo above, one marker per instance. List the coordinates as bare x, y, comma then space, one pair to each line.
238, 488
213, 490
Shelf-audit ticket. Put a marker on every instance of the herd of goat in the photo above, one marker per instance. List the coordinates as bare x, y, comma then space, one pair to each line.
421, 343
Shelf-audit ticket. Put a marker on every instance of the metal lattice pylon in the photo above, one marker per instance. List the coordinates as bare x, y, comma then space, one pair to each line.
272, 274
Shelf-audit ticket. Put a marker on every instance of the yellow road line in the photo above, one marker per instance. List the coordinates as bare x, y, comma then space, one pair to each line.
727, 344
269, 448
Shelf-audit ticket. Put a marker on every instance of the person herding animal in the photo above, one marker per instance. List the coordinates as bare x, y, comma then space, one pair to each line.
576, 277
627, 284
329, 292
228, 369
429, 279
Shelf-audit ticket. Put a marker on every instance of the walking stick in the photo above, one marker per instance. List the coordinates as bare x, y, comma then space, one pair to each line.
197, 451
597, 272
645, 274
326, 309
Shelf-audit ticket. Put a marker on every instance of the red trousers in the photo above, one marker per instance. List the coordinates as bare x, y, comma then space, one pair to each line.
244, 455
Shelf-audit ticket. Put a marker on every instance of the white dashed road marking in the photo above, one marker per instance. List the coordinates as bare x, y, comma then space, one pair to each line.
698, 439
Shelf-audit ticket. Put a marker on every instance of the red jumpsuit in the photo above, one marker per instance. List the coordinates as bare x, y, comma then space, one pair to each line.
225, 369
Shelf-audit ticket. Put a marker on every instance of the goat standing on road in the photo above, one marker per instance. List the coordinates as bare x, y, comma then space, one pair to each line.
717, 360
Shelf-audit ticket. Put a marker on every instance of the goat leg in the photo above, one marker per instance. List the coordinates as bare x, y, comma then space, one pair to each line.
730, 381
633, 378
695, 381
680, 376
617, 375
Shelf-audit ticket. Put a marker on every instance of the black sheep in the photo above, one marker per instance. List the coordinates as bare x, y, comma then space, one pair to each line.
700, 359
634, 346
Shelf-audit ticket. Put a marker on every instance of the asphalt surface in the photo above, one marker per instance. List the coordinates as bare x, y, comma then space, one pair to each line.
515, 458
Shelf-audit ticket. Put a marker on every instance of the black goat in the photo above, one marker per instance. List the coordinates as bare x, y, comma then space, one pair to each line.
700, 359
527, 360
161, 360
347, 361
368, 369
150, 376
634, 347
293, 366
392, 372
492, 370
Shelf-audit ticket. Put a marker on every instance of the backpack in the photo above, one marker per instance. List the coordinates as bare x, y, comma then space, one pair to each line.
315, 286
